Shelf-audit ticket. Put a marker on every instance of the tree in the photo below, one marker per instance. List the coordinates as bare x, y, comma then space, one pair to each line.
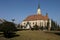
13, 20
48, 27
54, 25
35, 27
7, 28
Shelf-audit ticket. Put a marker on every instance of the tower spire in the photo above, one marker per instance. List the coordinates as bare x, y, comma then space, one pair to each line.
38, 4
38, 10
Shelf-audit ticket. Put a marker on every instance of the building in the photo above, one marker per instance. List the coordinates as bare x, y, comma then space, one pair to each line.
2, 20
36, 19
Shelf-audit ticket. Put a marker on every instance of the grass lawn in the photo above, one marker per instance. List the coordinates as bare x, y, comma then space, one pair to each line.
33, 35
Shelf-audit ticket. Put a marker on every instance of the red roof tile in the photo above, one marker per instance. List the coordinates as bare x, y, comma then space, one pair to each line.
36, 17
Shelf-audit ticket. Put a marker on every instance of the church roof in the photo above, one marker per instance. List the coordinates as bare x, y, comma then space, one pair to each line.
36, 17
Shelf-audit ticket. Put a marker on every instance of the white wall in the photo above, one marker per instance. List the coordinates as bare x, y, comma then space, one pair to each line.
39, 23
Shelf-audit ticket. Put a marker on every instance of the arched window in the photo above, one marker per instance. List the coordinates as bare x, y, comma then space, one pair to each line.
36, 23
27, 22
24, 23
45, 24
33, 22
41, 23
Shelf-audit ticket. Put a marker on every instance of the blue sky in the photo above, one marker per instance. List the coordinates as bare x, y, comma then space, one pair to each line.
20, 9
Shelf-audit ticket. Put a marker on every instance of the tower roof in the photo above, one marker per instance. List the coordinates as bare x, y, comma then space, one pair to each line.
39, 4
39, 10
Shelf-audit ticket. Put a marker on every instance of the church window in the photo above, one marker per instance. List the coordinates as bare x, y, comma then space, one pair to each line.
45, 24
36, 23
33, 22
24, 23
40, 23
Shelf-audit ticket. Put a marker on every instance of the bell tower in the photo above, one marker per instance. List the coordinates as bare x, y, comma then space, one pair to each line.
38, 9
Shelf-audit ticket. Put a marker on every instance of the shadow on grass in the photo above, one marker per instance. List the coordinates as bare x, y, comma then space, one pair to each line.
57, 33
1, 33
11, 35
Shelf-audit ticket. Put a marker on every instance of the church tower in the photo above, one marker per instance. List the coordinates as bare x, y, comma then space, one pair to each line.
38, 9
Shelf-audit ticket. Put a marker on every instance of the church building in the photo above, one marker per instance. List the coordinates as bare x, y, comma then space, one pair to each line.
37, 19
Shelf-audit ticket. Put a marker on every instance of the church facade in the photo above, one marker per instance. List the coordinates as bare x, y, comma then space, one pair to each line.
36, 19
